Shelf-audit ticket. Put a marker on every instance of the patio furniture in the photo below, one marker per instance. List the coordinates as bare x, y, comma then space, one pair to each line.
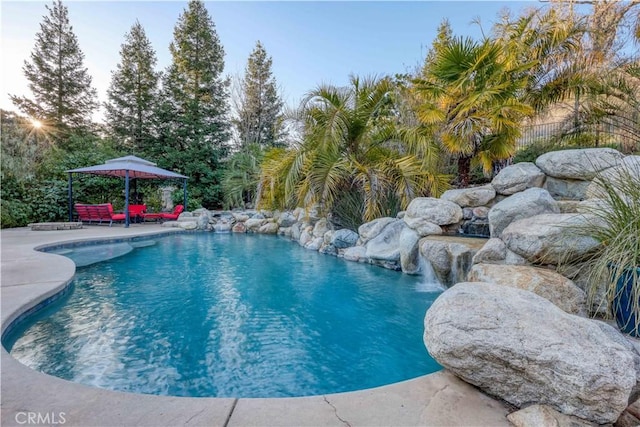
98, 213
165, 216
136, 212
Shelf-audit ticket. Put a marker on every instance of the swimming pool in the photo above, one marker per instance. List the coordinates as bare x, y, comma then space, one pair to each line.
231, 316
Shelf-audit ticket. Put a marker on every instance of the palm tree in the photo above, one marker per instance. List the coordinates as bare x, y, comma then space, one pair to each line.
470, 100
241, 175
352, 159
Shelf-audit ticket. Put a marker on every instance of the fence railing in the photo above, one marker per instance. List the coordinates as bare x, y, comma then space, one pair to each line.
621, 131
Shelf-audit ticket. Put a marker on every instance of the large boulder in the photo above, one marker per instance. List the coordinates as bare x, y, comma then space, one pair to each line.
321, 227
386, 245
239, 227
549, 238
581, 164
409, 251
371, 229
543, 415
355, 253
516, 178
518, 346
222, 227
546, 283
286, 219
450, 257
496, 252
268, 228
254, 224
533, 201
629, 167
314, 244
571, 189
344, 238
426, 214
470, 197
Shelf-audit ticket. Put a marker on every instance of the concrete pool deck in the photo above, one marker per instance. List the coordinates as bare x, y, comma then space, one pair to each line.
29, 397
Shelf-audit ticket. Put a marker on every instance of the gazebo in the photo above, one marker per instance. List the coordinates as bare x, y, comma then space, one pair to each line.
128, 167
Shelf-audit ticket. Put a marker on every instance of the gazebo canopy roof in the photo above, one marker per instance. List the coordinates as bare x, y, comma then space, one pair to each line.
137, 167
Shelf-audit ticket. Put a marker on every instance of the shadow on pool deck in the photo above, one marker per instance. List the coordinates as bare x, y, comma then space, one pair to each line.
29, 397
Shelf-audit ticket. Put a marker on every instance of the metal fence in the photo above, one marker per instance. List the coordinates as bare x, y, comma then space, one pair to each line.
623, 132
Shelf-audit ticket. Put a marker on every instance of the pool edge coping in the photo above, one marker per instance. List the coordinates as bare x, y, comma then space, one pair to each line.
242, 411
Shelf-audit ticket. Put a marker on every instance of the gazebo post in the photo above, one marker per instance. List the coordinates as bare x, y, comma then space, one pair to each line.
184, 190
126, 198
70, 193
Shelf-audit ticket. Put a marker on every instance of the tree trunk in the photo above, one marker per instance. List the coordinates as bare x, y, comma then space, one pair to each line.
464, 168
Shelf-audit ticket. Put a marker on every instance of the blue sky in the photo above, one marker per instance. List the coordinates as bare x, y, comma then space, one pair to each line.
310, 42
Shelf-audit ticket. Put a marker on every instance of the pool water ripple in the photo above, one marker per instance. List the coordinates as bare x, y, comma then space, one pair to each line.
225, 315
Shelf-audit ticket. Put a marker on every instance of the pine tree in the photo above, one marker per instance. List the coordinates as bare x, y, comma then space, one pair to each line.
259, 118
62, 94
192, 117
443, 37
133, 92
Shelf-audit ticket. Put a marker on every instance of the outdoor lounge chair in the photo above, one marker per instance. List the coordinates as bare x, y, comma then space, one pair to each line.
136, 212
165, 216
98, 213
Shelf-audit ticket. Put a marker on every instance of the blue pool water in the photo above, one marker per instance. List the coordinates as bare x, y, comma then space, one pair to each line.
226, 315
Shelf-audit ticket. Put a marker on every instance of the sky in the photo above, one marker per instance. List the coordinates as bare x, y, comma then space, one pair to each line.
310, 42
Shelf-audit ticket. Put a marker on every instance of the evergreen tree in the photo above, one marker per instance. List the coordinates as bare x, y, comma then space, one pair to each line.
133, 92
259, 118
443, 38
62, 94
192, 117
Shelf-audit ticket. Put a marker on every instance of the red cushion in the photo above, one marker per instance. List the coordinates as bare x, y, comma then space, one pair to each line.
117, 217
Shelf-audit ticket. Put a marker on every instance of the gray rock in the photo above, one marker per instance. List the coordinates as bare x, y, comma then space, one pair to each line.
571, 189
314, 244
546, 283
240, 216
423, 210
284, 231
222, 227
533, 201
386, 245
344, 238
628, 167
239, 227
582, 164
268, 228
549, 238
409, 251
369, 230
188, 225
516, 178
355, 253
496, 252
321, 227
296, 231
545, 416
254, 224
449, 256
306, 235
481, 212
519, 347
286, 219
467, 213
470, 197
202, 222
